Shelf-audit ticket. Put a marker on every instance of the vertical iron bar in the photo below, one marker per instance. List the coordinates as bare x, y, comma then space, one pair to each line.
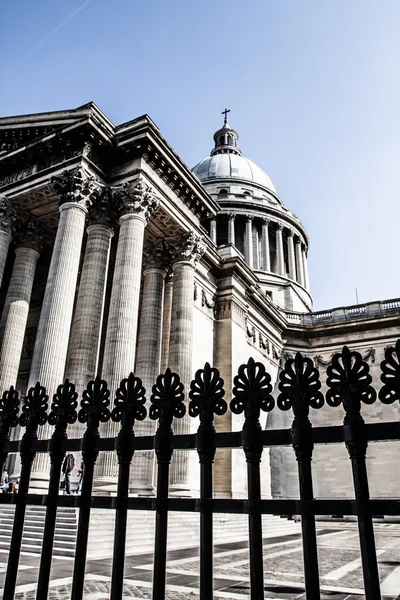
206, 533
255, 530
19, 517
308, 530
160, 544
121, 515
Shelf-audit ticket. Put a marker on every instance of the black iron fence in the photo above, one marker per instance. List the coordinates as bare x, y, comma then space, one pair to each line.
349, 383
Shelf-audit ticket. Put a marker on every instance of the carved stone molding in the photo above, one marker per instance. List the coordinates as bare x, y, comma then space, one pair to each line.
195, 291
76, 186
102, 211
135, 198
157, 254
189, 248
7, 214
319, 360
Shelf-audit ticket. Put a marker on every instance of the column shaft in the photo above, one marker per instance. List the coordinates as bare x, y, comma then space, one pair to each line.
231, 229
213, 230
15, 315
248, 242
305, 270
148, 367
166, 326
256, 258
265, 248
299, 263
291, 257
280, 260
83, 351
5, 240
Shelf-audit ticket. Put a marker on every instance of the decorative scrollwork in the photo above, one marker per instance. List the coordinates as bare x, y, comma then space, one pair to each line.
9, 407
94, 404
167, 399
299, 386
34, 409
390, 377
206, 394
63, 408
252, 390
349, 381
129, 402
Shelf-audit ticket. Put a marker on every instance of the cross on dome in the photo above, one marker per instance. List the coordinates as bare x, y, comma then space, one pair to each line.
225, 112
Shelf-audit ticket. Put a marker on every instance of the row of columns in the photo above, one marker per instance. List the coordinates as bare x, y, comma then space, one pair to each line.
297, 257
68, 341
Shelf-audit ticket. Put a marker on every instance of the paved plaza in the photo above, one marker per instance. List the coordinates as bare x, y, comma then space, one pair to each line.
339, 560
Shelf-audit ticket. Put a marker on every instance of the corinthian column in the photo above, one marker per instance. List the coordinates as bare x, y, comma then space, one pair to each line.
305, 270
231, 228
7, 216
299, 263
291, 257
265, 250
248, 241
213, 230
166, 326
84, 345
51, 346
280, 260
188, 252
136, 201
156, 259
15, 313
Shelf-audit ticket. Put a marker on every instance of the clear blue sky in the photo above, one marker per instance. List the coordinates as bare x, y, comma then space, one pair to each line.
313, 87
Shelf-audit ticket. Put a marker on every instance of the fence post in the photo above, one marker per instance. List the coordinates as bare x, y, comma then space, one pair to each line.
129, 405
166, 402
94, 409
34, 413
206, 398
251, 394
349, 382
299, 386
9, 407
62, 412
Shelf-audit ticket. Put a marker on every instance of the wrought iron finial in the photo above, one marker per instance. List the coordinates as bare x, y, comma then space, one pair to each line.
252, 390
299, 387
167, 399
9, 407
34, 410
206, 394
63, 408
390, 377
349, 381
129, 402
94, 404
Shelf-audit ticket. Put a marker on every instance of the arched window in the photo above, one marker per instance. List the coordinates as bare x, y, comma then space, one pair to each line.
223, 192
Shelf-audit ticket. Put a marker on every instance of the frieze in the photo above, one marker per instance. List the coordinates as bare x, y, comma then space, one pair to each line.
320, 361
17, 176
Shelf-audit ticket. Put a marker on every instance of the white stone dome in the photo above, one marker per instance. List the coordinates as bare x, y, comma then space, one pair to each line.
235, 166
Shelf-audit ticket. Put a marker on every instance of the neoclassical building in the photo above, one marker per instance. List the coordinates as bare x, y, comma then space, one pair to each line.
115, 256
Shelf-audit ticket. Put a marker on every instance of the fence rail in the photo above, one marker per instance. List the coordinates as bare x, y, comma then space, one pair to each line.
349, 383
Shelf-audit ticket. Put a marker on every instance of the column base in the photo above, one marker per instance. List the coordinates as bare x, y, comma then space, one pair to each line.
105, 486
180, 490
140, 489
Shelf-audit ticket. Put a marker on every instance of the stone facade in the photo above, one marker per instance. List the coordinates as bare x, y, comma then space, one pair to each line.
128, 261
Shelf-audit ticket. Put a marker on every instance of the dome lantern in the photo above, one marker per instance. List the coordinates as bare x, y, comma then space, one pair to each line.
226, 139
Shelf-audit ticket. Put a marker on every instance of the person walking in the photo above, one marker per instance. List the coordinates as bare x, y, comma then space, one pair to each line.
68, 465
4, 481
80, 474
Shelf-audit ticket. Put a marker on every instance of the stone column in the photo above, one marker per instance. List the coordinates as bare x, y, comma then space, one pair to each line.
265, 249
188, 251
299, 262
256, 257
280, 259
7, 217
16, 306
291, 257
84, 345
248, 241
305, 270
231, 228
50, 352
156, 259
166, 326
136, 201
213, 230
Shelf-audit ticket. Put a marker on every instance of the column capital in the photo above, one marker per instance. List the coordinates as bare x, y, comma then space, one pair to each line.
266, 221
135, 198
249, 217
7, 215
232, 216
29, 233
102, 211
157, 254
77, 187
290, 232
189, 248
279, 226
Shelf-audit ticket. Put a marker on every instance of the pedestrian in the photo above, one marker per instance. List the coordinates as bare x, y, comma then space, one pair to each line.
80, 474
4, 481
68, 465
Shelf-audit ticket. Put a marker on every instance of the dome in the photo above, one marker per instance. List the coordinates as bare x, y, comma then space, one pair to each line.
226, 166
